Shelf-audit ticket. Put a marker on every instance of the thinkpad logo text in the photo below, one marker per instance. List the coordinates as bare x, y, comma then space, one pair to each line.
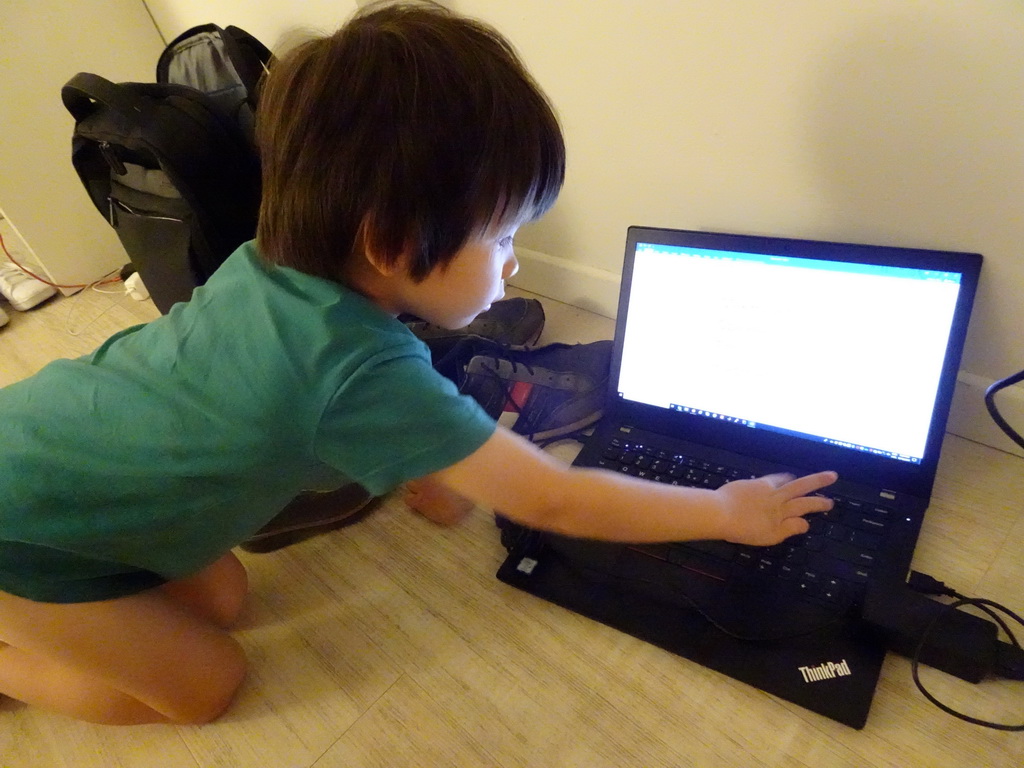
826, 671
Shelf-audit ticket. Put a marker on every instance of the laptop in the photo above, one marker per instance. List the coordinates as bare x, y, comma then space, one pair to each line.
737, 356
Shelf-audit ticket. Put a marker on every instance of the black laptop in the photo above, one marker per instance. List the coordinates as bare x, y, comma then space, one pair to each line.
738, 356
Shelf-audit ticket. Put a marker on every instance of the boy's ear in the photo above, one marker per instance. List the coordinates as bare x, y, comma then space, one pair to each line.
385, 267
385, 264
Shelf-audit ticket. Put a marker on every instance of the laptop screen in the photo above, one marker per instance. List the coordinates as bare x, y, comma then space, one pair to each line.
838, 352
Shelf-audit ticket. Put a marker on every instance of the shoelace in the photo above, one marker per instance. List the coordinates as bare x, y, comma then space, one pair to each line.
576, 435
506, 387
458, 349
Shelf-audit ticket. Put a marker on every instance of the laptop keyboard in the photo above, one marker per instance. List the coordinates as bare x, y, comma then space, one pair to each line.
830, 564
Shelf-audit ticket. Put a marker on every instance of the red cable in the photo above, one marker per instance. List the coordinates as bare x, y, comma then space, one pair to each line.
44, 280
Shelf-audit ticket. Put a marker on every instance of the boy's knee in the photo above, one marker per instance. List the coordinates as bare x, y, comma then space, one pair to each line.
210, 702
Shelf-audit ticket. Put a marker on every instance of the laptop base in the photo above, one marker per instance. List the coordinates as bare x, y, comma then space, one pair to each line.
791, 666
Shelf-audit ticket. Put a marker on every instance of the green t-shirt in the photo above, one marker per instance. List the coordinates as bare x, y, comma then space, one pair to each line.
174, 441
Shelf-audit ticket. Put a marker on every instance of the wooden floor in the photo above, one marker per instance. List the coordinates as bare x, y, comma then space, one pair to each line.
391, 644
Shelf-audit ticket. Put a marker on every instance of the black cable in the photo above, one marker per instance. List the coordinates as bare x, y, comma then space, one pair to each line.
929, 585
1010, 661
1011, 657
990, 404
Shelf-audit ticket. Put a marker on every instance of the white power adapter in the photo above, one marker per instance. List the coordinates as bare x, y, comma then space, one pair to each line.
135, 288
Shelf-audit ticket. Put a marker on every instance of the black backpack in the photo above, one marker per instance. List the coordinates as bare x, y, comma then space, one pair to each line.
225, 64
172, 165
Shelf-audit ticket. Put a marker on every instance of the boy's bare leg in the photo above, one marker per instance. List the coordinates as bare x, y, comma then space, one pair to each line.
144, 658
217, 593
436, 502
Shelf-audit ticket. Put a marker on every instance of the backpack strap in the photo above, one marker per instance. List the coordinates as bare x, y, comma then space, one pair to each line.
250, 57
85, 90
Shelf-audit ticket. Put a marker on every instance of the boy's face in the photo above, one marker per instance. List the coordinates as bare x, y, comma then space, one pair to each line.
452, 297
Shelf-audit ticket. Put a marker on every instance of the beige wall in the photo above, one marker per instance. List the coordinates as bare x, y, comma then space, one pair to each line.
42, 44
889, 121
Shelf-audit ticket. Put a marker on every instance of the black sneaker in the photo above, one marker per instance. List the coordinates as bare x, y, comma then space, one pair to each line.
556, 391
516, 322
310, 514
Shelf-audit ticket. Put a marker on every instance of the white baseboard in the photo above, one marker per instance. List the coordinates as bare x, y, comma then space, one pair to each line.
597, 291
969, 418
589, 288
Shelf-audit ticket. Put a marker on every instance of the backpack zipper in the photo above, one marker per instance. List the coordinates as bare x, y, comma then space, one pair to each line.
112, 159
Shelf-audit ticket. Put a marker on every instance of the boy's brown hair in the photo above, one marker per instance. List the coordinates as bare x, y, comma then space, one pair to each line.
410, 129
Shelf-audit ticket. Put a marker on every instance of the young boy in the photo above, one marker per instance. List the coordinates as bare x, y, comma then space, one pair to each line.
400, 155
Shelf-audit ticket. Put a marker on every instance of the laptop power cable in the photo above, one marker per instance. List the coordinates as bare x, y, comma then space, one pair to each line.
940, 635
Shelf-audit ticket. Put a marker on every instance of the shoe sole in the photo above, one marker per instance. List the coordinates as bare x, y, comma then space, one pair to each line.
262, 543
562, 431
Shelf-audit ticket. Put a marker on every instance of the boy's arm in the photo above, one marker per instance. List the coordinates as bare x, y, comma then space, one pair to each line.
510, 474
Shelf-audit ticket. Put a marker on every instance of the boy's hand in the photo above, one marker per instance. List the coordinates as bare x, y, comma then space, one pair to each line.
540, 491
436, 502
769, 509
